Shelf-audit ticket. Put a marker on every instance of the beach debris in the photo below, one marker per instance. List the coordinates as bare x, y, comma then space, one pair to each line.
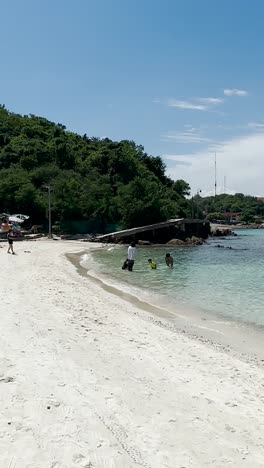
54, 403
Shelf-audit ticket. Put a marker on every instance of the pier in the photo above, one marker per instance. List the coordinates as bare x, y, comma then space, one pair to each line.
161, 233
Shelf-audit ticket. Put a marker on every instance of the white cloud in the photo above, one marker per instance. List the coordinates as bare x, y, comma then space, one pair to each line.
210, 100
191, 135
186, 105
240, 160
235, 92
258, 125
197, 103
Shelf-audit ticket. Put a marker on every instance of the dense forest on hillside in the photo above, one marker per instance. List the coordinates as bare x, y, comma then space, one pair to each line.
248, 206
92, 179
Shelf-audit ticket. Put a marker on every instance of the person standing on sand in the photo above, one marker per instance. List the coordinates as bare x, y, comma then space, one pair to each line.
10, 243
131, 253
169, 260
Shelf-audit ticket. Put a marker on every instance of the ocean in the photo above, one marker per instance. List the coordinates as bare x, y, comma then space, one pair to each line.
226, 281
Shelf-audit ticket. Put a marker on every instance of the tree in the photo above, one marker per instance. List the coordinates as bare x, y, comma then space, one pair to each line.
248, 216
182, 188
143, 201
92, 178
247, 205
215, 216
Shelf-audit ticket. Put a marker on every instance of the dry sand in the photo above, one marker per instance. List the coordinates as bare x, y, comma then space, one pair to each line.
89, 380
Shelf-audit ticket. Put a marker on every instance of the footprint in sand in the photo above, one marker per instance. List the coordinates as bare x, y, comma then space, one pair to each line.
229, 428
7, 379
231, 404
82, 461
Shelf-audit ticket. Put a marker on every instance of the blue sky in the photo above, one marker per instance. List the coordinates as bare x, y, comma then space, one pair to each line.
183, 78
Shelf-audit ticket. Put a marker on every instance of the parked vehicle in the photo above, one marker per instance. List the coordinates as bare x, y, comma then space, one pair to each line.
21, 216
18, 218
14, 219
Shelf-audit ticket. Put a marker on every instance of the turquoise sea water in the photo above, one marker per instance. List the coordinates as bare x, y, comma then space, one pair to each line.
226, 282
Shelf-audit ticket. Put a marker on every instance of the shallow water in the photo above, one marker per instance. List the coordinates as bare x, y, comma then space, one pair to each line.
226, 282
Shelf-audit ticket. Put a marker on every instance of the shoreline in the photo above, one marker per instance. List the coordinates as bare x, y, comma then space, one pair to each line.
90, 380
242, 339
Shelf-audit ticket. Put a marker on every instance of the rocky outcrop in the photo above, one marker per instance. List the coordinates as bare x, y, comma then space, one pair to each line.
221, 231
189, 241
144, 242
194, 241
176, 242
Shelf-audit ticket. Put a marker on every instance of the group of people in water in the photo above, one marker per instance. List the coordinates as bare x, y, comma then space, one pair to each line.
131, 254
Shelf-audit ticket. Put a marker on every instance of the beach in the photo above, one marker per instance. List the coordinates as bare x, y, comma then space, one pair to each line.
89, 379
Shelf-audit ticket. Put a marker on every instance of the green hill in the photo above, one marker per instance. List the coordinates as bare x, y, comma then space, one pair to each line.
108, 182
217, 207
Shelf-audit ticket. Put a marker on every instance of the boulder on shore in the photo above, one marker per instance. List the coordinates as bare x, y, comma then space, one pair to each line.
219, 232
193, 241
189, 241
196, 241
176, 242
144, 242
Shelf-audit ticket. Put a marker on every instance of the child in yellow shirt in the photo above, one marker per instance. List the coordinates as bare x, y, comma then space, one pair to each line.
153, 265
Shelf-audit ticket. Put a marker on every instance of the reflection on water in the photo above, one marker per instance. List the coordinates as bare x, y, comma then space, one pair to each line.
228, 282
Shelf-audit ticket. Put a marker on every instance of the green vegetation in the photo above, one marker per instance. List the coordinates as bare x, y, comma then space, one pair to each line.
251, 208
94, 179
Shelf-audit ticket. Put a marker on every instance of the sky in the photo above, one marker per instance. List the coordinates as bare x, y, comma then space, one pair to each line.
184, 78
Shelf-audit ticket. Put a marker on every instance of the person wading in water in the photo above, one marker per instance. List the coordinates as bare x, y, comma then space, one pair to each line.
169, 260
131, 253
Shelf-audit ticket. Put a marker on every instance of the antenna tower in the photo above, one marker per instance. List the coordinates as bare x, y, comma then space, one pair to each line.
215, 178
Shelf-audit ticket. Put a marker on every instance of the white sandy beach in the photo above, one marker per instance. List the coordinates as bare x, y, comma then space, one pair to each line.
88, 380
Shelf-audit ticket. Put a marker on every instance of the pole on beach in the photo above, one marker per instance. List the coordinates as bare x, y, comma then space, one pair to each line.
215, 185
49, 188
197, 200
49, 195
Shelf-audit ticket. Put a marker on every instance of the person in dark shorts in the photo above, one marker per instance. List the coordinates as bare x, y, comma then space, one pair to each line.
125, 265
131, 253
169, 260
10, 243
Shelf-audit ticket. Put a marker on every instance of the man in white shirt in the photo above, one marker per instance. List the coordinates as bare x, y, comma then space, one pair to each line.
131, 253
